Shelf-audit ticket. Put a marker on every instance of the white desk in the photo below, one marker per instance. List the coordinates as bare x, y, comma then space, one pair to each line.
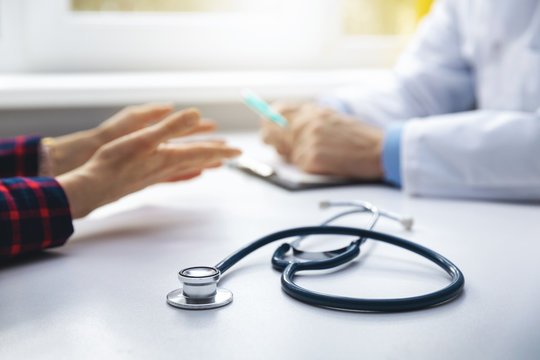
103, 294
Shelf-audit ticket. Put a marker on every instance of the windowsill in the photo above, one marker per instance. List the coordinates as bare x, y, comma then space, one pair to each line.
111, 89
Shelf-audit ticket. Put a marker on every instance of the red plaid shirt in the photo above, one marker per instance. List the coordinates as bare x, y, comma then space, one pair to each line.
34, 211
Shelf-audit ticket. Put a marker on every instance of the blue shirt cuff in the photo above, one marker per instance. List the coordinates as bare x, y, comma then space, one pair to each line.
391, 154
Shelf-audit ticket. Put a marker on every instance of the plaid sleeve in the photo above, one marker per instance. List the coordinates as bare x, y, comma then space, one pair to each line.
19, 156
34, 215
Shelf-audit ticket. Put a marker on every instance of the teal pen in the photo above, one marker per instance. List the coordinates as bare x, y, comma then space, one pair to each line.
261, 107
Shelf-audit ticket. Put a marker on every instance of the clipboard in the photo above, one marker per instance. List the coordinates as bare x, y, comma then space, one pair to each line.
288, 176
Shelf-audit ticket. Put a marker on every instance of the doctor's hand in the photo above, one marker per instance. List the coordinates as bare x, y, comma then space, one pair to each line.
140, 159
71, 151
323, 141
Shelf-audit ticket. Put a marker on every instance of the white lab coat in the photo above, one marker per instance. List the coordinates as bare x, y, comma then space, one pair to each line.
469, 87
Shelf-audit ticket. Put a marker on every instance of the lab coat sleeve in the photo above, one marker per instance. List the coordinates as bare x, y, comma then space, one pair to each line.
475, 154
431, 77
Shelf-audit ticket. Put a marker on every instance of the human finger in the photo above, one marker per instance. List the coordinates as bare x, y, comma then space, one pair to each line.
211, 152
214, 165
190, 173
200, 155
195, 140
205, 126
140, 115
286, 108
270, 133
188, 176
312, 161
148, 112
178, 124
130, 119
273, 134
302, 123
298, 156
281, 139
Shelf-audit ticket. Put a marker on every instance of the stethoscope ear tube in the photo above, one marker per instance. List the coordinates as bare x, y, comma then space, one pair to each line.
290, 268
280, 263
372, 305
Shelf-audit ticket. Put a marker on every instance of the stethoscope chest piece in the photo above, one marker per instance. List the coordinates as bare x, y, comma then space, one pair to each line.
199, 289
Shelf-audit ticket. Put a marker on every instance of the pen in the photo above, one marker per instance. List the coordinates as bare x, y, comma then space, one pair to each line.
261, 107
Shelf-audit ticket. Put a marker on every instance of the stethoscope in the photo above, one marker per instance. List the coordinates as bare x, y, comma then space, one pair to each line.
200, 289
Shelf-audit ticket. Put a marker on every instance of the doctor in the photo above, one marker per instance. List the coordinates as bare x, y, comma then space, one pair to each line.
460, 116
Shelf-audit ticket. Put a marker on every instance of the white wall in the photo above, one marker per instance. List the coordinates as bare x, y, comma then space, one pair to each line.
56, 121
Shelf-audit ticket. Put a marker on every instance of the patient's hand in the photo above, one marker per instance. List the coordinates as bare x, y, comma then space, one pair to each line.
323, 141
142, 158
71, 151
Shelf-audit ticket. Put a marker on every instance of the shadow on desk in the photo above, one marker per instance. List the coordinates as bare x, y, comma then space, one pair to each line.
140, 221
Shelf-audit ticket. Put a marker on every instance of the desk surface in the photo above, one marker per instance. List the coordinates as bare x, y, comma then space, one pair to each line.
103, 294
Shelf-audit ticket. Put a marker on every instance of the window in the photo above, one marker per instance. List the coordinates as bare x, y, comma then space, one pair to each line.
360, 17
388, 17
148, 35
173, 5
10, 36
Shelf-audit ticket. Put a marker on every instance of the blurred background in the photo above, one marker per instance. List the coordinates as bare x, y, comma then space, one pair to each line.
69, 64
359, 16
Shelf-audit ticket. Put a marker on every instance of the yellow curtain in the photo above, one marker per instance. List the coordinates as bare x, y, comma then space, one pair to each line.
422, 8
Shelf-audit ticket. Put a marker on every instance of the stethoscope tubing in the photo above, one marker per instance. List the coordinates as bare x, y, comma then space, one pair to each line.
317, 255
346, 303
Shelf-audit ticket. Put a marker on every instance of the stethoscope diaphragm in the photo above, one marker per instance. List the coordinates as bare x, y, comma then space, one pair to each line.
199, 289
